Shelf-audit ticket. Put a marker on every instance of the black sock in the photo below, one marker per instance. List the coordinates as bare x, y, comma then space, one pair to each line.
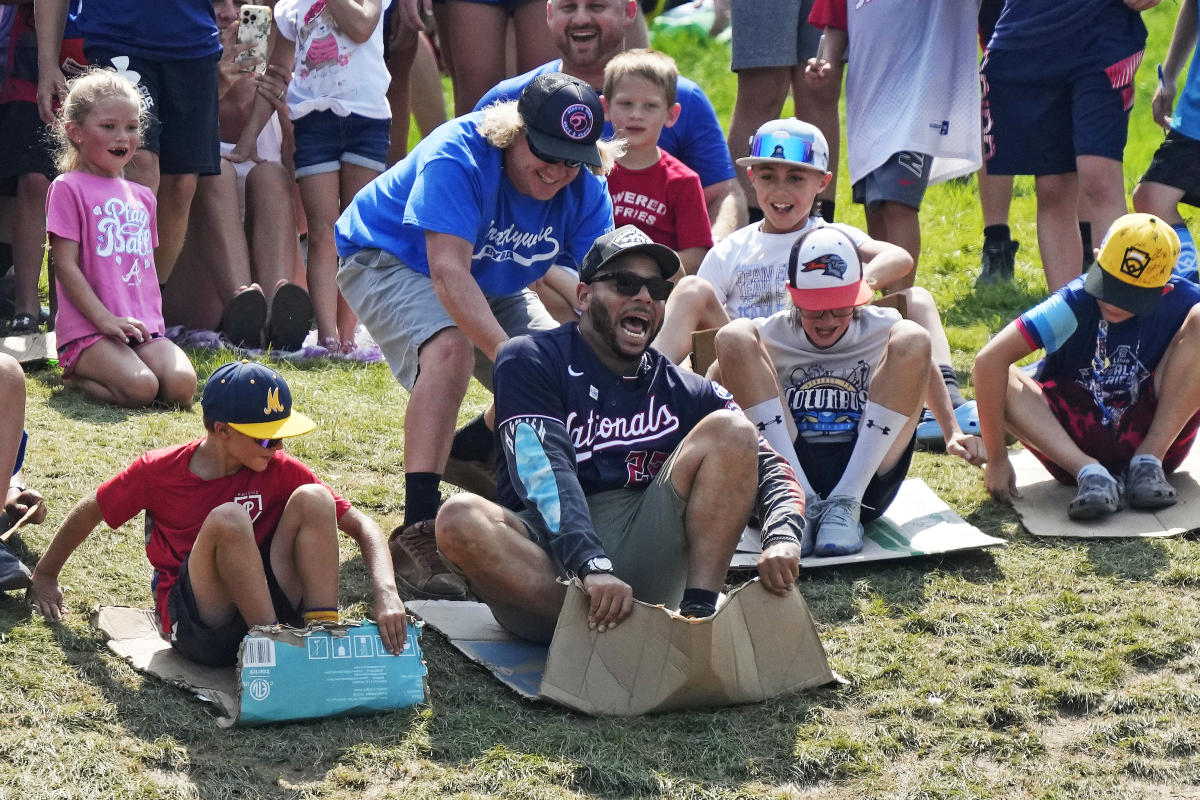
951, 379
826, 208
1085, 233
755, 214
996, 234
473, 442
698, 603
421, 496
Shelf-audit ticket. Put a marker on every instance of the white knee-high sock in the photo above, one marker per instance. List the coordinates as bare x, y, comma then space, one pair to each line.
877, 432
768, 417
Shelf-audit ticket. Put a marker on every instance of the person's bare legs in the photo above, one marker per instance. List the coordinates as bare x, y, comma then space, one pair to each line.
899, 224
1177, 387
995, 196
473, 33
226, 570
1027, 416
445, 364
692, 306
1101, 193
761, 92
1058, 227
29, 242
320, 195
534, 45
353, 177
819, 106
399, 93
175, 373
425, 84
270, 229
304, 550
110, 371
174, 196
12, 411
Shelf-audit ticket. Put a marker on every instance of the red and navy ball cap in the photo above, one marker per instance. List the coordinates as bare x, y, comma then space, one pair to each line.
563, 117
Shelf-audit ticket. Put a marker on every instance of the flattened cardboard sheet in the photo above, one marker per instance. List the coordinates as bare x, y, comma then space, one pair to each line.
757, 646
918, 523
1042, 506
30, 347
282, 673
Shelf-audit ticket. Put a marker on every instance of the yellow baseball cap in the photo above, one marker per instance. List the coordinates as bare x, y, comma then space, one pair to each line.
1136, 260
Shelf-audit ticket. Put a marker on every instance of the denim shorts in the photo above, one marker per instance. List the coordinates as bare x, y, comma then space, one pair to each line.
324, 140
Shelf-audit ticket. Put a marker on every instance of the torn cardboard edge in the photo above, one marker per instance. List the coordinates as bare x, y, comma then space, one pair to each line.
1042, 505
283, 674
757, 646
917, 523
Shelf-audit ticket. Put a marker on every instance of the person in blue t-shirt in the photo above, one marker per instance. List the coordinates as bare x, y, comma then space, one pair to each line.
1174, 173
169, 49
588, 35
436, 255
1113, 406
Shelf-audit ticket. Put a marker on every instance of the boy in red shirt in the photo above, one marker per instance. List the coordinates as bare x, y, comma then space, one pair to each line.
240, 533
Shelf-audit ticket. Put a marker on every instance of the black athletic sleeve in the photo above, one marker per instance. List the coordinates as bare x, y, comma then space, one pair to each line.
779, 504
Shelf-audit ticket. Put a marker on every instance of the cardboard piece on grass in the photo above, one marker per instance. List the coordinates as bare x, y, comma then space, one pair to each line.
282, 673
1042, 506
758, 645
30, 347
918, 523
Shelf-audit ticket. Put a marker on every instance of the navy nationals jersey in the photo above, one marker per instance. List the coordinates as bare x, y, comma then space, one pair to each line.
569, 428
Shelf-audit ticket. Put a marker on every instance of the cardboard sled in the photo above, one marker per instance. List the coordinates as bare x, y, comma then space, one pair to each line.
282, 673
758, 645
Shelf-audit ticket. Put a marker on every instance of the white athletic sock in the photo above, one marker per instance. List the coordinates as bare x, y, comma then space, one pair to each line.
768, 417
1145, 458
877, 433
1093, 469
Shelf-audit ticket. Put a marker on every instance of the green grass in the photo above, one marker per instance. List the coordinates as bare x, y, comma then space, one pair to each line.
1049, 669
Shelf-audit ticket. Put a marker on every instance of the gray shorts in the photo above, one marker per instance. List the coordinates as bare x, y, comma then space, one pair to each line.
903, 179
772, 33
402, 312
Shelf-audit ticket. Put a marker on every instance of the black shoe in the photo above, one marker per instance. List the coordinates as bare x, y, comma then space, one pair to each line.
14, 575
997, 262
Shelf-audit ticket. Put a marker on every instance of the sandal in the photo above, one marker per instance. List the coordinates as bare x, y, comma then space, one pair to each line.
22, 325
244, 318
290, 318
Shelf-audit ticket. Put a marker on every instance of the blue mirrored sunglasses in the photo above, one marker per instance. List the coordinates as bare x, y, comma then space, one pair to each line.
784, 145
267, 444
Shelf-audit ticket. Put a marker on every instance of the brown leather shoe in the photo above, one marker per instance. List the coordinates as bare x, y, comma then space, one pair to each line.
420, 570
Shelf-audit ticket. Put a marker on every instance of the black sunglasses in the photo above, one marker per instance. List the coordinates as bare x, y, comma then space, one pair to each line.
566, 162
629, 284
267, 444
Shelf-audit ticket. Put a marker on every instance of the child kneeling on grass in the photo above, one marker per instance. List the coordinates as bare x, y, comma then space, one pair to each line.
241, 533
1113, 406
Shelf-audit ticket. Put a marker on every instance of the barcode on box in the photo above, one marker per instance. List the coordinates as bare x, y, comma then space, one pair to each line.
258, 652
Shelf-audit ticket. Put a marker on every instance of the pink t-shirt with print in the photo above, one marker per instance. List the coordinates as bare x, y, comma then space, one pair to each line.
115, 224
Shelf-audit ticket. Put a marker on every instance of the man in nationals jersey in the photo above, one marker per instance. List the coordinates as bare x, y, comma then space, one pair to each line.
621, 469
239, 532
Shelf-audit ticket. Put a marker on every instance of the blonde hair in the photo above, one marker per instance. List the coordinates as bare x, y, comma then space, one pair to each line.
83, 94
502, 124
650, 65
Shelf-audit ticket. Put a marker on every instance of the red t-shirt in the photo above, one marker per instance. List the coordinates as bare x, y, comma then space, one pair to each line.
177, 501
664, 201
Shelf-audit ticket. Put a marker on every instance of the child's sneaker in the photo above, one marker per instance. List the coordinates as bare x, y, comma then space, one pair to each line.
1147, 487
929, 433
1098, 496
839, 532
997, 263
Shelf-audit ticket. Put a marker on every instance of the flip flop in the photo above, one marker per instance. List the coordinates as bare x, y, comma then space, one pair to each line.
290, 318
244, 318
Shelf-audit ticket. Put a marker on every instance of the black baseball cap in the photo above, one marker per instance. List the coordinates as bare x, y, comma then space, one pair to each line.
624, 240
563, 117
253, 399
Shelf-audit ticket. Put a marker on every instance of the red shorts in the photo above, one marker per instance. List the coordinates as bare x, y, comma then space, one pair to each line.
1112, 445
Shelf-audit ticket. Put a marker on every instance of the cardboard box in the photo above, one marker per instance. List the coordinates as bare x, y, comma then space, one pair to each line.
282, 673
758, 645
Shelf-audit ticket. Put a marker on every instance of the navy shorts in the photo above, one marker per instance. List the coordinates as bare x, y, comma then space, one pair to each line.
903, 179
324, 140
218, 647
181, 97
823, 465
27, 145
1043, 107
1176, 163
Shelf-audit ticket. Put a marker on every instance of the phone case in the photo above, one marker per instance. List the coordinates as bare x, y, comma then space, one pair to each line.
255, 27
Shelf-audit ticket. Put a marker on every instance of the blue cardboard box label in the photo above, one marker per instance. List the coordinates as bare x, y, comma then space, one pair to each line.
344, 670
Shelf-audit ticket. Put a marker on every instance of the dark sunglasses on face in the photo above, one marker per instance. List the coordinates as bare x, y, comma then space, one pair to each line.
839, 313
538, 154
629, 284
267, 444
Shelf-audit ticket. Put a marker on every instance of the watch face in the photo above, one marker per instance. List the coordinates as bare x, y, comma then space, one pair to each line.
600, 564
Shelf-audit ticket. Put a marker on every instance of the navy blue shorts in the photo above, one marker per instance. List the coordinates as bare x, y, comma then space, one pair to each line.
181, 97
1176, 163
218, 647
28, 146
324, 140
823, 465
1043, 109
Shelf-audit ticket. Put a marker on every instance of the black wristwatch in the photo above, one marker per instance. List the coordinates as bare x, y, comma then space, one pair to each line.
596, 564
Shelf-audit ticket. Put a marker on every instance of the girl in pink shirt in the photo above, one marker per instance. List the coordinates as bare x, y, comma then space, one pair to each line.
102, 234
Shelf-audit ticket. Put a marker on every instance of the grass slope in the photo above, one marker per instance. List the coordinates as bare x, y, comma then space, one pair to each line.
1050, 669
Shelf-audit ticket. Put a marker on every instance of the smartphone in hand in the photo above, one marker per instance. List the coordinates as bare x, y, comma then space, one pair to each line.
254, 28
